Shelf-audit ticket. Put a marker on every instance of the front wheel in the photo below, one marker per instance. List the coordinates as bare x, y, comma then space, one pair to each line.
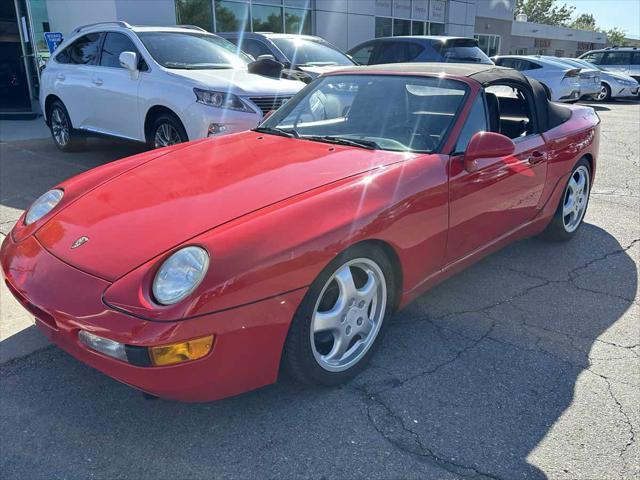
340, 321
604, 95
64, 136
573, 204
166, 131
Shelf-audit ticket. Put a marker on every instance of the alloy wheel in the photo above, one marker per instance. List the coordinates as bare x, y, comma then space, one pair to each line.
60, 127
166, 135
348, 314
575, 199
602, 94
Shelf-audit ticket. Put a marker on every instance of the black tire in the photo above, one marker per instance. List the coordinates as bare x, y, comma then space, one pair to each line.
169, 127
64, 136
298, 356
558, 230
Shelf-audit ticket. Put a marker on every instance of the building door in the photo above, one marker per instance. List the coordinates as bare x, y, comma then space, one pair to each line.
14, 88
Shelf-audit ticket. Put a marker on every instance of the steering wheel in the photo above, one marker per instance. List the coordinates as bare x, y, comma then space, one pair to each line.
426, 142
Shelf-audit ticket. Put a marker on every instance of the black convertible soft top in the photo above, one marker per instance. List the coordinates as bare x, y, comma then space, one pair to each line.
549, 114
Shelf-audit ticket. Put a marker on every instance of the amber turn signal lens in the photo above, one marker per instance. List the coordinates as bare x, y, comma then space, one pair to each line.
181, 352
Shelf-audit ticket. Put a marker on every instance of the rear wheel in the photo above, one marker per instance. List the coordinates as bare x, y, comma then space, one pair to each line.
604, 95
167, 130
64, 136
573, 204
341, 319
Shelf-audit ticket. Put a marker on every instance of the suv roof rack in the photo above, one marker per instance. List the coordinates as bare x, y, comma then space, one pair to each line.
115, 23
192, 27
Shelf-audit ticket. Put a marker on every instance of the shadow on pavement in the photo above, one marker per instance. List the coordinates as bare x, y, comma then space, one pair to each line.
469, 379
31, 167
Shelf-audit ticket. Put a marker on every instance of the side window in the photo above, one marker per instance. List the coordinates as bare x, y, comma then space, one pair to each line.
397, 52
527, 65
617, 58
114, 44
506, 62
476, 122
635, 59
255, 48
595, 57
363, 54
84, 51
510, 111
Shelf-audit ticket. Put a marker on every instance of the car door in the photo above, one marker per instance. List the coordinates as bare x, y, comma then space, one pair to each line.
72, 82
115, 89
505, 193
617, 62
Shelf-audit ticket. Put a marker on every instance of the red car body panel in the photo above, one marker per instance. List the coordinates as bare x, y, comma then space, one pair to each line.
268, 233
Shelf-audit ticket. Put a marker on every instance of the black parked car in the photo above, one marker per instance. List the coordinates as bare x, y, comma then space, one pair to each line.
302, 53
419, 49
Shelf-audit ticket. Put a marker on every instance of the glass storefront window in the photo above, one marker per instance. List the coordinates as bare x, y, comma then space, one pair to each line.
436, 28
232, 17
489, 44
383, 27
417, 28
266, 18
194, 12
297, 21
401, 27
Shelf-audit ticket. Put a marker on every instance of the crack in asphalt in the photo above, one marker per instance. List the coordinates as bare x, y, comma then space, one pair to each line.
412, 443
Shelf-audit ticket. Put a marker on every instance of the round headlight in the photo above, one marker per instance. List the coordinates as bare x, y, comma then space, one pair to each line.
43, 205
180, 274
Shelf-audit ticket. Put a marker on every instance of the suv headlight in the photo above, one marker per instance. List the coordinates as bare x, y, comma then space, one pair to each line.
180, 274
43, 205
221, 100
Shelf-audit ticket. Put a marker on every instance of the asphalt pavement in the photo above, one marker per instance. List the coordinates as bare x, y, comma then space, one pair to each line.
526, 365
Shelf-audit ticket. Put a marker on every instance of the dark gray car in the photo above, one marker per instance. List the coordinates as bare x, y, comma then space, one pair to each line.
419, 48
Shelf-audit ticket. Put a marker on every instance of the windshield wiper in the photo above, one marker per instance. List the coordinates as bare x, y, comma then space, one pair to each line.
351, 142
196, 66
278, 131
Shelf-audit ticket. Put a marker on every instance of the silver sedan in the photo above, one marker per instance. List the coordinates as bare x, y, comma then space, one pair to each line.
613, 84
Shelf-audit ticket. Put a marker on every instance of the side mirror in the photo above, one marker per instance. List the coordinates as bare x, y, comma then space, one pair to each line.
486, 145
129, 60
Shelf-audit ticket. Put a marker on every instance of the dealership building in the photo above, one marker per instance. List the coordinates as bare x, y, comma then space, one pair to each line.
345, 23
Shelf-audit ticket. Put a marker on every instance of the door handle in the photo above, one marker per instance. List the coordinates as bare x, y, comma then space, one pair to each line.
97, 81
60, 76
536, 157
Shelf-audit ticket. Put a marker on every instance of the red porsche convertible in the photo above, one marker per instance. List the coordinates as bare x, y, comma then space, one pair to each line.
198, 271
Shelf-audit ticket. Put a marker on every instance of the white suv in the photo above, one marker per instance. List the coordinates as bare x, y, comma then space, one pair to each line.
160, 85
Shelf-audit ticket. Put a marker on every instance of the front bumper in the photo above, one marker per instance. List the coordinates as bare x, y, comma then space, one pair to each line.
198, 118
245, 355
622, 91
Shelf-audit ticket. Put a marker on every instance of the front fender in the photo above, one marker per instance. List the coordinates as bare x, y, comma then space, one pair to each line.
283, 247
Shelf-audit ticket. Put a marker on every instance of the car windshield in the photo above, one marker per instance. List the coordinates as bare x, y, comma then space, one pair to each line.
461, 51
387, 112
191, 51
302, 51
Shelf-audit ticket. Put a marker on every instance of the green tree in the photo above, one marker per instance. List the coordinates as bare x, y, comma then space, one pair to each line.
586, 21
616, 36
545, 11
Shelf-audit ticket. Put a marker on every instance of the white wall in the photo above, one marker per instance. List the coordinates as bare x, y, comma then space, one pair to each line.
500, 9
147, 12
66, 15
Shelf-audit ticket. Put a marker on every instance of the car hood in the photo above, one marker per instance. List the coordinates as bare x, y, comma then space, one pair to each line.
241, 82
617, 76
160, 204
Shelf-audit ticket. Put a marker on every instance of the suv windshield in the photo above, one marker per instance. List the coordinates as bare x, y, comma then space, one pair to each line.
302, 51
387, 112
461, 51
191, 51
